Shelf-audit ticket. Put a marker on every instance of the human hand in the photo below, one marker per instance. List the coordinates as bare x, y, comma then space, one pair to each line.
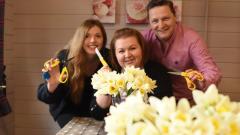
52, 67
106, 69
194, 75
194, 78
104, 101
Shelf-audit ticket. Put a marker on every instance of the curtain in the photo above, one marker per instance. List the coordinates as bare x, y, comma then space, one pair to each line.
1, 30
4, 105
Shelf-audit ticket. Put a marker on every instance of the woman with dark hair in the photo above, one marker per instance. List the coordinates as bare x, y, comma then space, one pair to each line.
127, 48
70, 99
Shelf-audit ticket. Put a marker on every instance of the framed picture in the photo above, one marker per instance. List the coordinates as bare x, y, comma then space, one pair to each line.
104, 10
136, 12
178, 9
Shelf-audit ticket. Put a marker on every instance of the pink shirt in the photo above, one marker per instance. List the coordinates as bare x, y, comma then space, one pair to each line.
185, 50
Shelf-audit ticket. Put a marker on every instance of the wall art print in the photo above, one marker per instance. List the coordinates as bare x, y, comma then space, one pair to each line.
136, 12
178, 9
104, 10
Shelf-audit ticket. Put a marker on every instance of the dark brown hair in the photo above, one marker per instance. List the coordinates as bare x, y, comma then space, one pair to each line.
156, 3
124, 33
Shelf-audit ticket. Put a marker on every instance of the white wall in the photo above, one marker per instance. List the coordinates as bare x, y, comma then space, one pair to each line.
37, 28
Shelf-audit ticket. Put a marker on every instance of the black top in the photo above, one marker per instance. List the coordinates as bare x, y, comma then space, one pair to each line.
159, 73
156, 72
61, 106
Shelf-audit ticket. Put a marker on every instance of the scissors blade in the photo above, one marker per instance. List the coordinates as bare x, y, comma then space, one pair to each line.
175, 73
66, 61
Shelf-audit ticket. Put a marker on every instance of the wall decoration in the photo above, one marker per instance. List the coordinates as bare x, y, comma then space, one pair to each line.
4, 104
104, 10
178, 8
136, 12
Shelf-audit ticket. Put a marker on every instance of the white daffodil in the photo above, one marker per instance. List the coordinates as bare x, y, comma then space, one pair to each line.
136, 128
210, 97
132, 79
213, 114
150, 129
165, 107
183, 105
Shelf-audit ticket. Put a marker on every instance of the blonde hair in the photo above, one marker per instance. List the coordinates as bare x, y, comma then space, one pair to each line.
76, 66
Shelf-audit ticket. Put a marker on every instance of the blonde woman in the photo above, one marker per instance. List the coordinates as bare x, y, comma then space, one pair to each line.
70, 99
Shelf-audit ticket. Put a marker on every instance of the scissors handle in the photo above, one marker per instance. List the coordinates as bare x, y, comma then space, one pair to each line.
192, 72
64, 73
189, 73
54, 63
190, 84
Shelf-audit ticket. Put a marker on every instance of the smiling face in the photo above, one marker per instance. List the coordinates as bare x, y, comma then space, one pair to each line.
162, 21
128, 52
93, 39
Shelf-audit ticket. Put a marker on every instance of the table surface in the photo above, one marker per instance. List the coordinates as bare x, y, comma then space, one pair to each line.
83, 126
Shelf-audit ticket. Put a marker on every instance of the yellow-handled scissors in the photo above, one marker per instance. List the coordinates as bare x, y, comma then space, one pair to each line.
187, 75
64, 73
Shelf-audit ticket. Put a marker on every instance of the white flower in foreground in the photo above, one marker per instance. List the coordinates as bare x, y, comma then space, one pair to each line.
210, 97
213, 114
212, 102
137, 111
166, 106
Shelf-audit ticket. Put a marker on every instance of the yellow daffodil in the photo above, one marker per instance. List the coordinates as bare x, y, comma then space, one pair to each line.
131, 81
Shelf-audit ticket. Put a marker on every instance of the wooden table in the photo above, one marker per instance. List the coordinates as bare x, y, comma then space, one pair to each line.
83, 126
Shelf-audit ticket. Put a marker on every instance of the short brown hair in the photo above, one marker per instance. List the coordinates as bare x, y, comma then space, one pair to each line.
156, 3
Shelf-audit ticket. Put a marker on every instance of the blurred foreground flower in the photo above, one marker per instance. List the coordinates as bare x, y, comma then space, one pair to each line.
213, 114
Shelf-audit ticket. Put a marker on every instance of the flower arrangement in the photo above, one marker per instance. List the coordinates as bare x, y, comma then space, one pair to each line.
213, 114
131, 81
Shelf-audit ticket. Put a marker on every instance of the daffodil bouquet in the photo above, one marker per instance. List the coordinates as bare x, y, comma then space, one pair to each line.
213, 114
131, 81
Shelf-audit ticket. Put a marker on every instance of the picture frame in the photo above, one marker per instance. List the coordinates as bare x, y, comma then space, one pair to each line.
178, 9
104, 10
136, 12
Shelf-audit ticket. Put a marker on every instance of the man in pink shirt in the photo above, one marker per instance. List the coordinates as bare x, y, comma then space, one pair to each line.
178, 48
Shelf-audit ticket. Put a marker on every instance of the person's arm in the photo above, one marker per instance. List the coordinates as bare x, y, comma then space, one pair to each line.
100, 104
51, 90
104, 101
100, 107
204, 64
44, 95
